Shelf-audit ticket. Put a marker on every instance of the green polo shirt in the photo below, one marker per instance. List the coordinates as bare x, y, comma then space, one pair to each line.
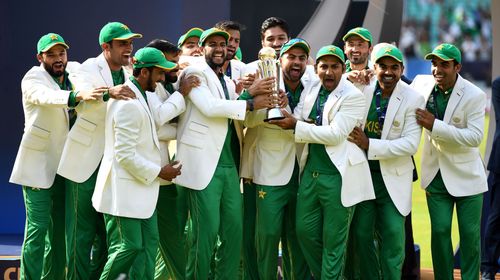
118, 77
442, 98
136, 83
372, 126
318, 159
230, 155
169, 87
294, 95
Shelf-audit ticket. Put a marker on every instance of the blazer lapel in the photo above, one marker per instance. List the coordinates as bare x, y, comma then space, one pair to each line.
334, 96
104, 70
456, 96
368, 92
212, 78
392, 108
55, 86
310, 100
145, 107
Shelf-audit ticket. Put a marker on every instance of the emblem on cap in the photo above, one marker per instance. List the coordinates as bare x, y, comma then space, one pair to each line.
124, 27
388, 49
53, 37
440, 47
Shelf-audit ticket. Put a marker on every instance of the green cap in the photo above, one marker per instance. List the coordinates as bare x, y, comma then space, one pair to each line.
116, 31
446, 52
389, 51
361, 32
151, 57
238, 54
331, 50
213, 31
295, 42
193, 32
49, 40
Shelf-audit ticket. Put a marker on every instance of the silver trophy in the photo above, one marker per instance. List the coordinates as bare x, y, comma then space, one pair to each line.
269, 67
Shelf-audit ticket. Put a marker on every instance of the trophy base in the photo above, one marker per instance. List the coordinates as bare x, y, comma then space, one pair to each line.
274, 114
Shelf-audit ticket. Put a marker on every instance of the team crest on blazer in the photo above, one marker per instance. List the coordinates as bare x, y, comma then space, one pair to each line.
396, 124
456, 119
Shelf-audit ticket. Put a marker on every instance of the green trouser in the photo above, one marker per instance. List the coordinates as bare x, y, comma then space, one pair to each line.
249, 212
441, 204
172, 215
276, 208
379, 220
133, 244
322, 223
84, 227
216, 209
42, 255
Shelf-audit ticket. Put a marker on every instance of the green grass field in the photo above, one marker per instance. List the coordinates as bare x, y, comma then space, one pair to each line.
420, 214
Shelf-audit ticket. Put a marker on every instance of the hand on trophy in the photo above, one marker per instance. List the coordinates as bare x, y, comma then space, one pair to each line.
263, 86
288, 122
247, 80
263, 101
282, 99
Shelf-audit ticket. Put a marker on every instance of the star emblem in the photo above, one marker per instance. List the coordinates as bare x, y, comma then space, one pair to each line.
388, 49
332, 49
262, 194
53, 37
440, 47
124, 27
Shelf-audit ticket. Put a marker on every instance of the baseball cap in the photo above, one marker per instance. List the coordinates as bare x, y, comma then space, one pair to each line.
116, 31
151, 57
49, 40
193, 32
331, 50
446, 52
295, 42
389, 51
212, 31
361, 32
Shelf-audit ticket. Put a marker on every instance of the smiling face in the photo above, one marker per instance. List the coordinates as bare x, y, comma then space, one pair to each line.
118, 53
233, 43
191, 47
274, 37
388, 72
330, 69
357, 50
445, 72
171, 76
54, 60
293, 63
215, 51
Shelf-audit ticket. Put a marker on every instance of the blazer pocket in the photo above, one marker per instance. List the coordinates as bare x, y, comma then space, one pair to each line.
86, 124
355, 159
405, 168
123, 174
192, 141
78, 136
36, 138
198, 127
460, 158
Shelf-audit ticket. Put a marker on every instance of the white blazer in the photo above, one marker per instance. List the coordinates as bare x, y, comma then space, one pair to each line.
127, 182
399, 141
84, 146
46, 126
202, 128
237, 69
275, 148
343, 110
164, 107
453, 144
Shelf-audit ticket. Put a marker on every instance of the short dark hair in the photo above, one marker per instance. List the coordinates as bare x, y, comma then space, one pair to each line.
137, 71
273, 22
164, 46
229, 25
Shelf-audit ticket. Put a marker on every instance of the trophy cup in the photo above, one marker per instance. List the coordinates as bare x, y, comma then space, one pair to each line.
269, 67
